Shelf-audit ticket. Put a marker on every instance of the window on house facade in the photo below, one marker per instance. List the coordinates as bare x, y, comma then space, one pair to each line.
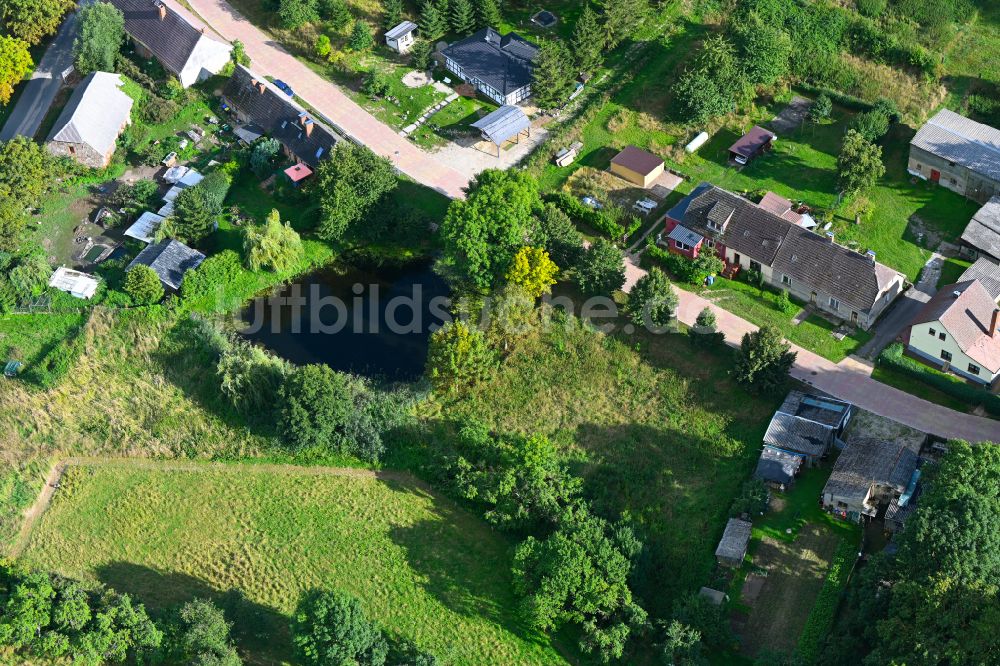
974, 369
834, 303
945, 355
710, 242
942, 336
682, 246
932, 332
786, 280
755, 266
951, 164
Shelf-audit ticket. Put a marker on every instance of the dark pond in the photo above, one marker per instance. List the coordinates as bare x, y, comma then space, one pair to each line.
372, 322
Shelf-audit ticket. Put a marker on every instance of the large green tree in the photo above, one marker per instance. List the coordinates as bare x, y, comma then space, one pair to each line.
763, 50
433, 22
13, 223
579, 574
488, 13
273, 246
392, 13
601, 270
552, 74
621, 19
557, 234
316, 405
24, 171
652, 301
330, 629
15, 62
859, 165
296, 13
458, 356
143, 285
348, 186
764, 360
199, 635
482, 232
100, 34
462, 17
588, 41
32, 20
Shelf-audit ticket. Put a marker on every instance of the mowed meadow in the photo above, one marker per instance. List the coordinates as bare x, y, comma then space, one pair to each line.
255, 537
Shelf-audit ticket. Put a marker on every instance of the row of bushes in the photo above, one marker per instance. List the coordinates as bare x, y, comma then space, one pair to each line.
607, 221
823, 612
691, 271
893, 357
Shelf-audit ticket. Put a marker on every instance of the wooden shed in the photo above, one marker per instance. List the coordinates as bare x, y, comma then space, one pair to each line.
637, 166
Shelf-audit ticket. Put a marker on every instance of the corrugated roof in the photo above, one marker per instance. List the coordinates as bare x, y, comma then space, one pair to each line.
983, 230
958, 139
503, 124
795, 433
95, 114
987, 271
828, 411
501, 62
170, 260
777, 466
682, 234
401, 29
735, 539
144, 229
866, 462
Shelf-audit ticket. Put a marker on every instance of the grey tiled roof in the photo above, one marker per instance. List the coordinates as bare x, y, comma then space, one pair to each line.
798, 434
279, 116
752, 231
987, 272
735, 539
865, 462
958, 139
983, 230
501, 62
95, 113
170, 259
171, 39
682, 234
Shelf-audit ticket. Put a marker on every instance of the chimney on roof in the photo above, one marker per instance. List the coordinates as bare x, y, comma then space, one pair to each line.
956, 293
829, 236
262, 88
871, 256
993, 323
307, 123
162, 9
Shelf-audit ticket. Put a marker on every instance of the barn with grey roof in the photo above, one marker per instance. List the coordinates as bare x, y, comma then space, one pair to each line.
732, 548
982, 234
958, 153
89, 125
869, 474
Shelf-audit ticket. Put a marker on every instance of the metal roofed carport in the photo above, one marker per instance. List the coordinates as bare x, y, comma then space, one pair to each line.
502, 125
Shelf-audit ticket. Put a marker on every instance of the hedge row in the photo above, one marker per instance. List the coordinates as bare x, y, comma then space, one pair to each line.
821, 617
843, 99
893, 357
603, 221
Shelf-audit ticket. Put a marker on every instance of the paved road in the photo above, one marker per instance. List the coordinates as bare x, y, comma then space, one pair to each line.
848, 380
45, 83
269, 58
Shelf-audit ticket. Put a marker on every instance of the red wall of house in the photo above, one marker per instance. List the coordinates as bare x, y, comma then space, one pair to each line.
669, 224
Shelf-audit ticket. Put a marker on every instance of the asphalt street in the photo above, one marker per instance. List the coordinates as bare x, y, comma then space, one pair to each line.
44, 84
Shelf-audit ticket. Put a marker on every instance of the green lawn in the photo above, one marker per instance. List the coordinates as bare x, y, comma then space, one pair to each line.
761, 306
422, 567
655, 426
952, 270
453, 120
29, 337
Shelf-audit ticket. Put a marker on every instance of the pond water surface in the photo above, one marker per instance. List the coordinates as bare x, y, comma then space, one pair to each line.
372, 322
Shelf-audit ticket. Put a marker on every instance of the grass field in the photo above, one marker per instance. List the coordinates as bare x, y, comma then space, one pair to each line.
656, 428
421, 566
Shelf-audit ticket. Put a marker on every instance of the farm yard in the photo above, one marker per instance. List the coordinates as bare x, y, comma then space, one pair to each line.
256, 537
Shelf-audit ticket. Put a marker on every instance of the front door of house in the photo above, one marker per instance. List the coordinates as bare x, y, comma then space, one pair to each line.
736, 258
812, 298
935, 175
854, 317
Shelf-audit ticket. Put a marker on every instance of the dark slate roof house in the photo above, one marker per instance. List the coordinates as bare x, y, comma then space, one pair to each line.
497, 65
259, 104
807, 424
983, 231
184, 45
170, 260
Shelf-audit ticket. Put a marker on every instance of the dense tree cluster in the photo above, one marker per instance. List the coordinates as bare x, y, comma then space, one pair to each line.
331, 628
272, 246
143, 286
859, 164
32, 20
763, 361
100, 35
349, 186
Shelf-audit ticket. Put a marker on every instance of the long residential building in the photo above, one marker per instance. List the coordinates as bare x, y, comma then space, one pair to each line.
264, 109
499, 66
185, 46
849, 285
